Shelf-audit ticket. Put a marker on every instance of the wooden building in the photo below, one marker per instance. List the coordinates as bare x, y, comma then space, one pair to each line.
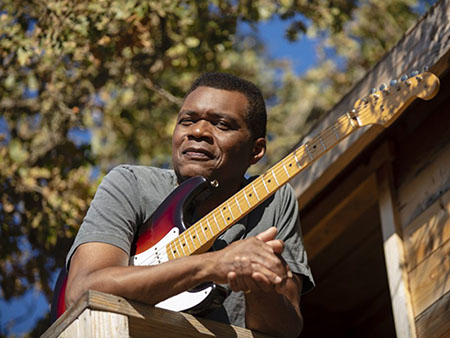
375, 214
375, 210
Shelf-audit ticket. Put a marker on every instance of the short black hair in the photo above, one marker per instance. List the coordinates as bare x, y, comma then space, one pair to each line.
256, 118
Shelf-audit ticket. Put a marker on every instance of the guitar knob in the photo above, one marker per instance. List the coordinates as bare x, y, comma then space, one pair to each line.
404, 78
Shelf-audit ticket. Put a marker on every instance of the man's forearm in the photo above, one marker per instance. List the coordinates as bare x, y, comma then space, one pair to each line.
148, 284
273, 313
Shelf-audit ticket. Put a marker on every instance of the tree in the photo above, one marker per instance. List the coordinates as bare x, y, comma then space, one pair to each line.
88, 84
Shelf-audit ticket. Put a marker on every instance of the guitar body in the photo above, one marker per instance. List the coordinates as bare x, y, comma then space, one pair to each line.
149, 248
165, 225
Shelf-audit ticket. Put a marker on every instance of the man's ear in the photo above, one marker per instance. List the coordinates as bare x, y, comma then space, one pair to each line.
258, 151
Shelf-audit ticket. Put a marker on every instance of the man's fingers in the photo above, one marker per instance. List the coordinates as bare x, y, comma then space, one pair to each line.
277, 245
268, 234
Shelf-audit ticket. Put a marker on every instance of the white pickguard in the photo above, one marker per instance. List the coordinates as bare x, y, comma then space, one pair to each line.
157, 254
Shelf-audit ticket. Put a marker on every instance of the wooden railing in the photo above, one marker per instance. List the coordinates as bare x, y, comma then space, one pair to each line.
98, 314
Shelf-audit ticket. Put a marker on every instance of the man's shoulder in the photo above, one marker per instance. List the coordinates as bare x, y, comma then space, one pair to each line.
145, 172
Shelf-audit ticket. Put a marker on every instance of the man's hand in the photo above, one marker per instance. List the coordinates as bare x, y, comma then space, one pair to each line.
253, 264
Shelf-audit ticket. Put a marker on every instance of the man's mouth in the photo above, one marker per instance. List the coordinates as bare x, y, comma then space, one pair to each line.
197, 154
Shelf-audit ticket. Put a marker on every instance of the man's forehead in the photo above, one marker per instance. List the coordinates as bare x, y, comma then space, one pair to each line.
218, 100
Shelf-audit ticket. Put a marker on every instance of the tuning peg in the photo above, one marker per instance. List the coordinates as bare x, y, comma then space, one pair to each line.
383, 87
414, 73
404, 78
393, 83
426, 68
373, 91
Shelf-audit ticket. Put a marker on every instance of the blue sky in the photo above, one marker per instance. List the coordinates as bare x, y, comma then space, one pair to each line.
300, 53
27, 310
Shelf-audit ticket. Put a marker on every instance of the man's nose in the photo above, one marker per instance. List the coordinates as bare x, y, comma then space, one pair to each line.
201, 130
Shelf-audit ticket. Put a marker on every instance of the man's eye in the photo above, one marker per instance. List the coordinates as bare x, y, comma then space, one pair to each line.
185, 121
222, 125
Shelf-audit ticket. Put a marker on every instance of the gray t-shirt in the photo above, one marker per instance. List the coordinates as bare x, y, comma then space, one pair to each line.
129, 195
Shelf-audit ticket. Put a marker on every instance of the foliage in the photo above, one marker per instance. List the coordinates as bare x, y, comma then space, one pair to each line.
85, 85
352, 38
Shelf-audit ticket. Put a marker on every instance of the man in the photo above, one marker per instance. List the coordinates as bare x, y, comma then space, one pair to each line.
219, 133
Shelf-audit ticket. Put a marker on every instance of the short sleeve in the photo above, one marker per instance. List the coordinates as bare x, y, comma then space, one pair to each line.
289, 230
114, 212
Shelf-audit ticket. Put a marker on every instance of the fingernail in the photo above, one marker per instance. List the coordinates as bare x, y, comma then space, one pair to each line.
289, 274
278, 279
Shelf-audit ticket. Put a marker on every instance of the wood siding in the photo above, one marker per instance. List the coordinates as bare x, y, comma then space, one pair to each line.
423, 187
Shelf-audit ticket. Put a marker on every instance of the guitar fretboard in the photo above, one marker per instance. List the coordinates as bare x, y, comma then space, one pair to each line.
200, 236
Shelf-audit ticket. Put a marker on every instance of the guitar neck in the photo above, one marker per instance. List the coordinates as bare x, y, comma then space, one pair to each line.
381, 108
200, 236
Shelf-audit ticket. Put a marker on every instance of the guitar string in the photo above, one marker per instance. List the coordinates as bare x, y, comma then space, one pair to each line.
257, 183
360, 112
276, 169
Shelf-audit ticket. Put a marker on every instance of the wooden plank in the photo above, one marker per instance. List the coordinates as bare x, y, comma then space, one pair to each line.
351, 283
395, 256
98, 324
73, 330
435, 321
333, 196
428, 232
336, 220
168, 323
425, 44
147, 318
108, 324
68, 318
421, 136
430, 280
425, 188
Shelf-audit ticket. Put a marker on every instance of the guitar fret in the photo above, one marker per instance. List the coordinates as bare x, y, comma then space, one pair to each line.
193, 243
231, 213
335, 131
296, 161
309, 153
265, 186
187, 242
256, 194
287, 173
182, 247
174, 251
196, 234
223, 217
276, 181
204, 234
246, 198
322, 143
169, 250
209, 227
215, 220
237, 203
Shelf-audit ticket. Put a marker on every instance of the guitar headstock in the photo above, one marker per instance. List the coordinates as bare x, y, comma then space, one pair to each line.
384, 106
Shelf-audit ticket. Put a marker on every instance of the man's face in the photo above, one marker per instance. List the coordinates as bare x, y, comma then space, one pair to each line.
211, 137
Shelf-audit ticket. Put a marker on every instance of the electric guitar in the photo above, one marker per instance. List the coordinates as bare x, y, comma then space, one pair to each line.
168, 236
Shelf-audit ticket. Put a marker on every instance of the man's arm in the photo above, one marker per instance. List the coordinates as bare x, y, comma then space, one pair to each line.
104, 267
274, 313
269, 308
